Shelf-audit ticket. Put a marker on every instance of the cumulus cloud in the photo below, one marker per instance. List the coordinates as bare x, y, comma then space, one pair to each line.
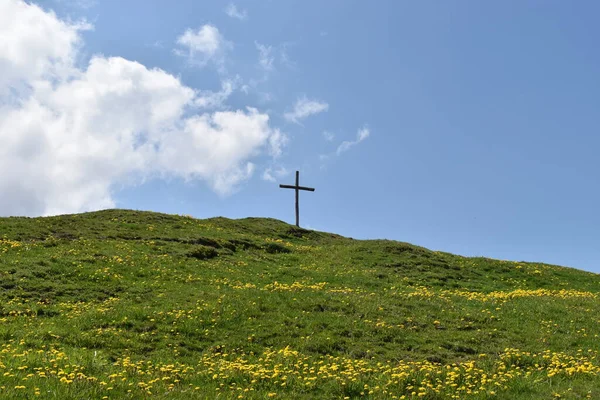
203, 45
233, 12
35, 45
71, 134
304, 108
329, 136
361, 135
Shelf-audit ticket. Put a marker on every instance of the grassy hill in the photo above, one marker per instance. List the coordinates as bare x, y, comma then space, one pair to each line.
121, 304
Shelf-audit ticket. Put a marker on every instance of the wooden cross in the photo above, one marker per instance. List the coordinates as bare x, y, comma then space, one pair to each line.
297, 187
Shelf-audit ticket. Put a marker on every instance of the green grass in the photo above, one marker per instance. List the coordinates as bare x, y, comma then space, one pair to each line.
123, 304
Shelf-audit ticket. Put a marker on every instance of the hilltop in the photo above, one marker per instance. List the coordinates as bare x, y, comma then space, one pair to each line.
127, 304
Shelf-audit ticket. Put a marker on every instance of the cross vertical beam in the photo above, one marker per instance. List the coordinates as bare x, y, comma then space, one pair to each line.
297, 188
297, 199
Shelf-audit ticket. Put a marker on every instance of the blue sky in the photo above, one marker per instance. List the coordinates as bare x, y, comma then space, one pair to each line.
470, 127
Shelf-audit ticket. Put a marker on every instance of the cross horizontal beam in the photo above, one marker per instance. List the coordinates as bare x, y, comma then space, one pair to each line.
297, 187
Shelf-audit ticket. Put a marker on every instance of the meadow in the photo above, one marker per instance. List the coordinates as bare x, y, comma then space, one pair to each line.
122, 304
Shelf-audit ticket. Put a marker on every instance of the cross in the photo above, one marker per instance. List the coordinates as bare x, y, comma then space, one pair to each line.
297, 187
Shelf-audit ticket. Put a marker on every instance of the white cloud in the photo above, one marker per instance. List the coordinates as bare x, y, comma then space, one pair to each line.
272, 175
304, 108
277, 141
265, 56
233, 12
329, 136
209, 99
28, 54
204, 45
267, 176
361, 135
70, 135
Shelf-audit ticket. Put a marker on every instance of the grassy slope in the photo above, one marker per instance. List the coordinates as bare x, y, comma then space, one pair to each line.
131, 304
